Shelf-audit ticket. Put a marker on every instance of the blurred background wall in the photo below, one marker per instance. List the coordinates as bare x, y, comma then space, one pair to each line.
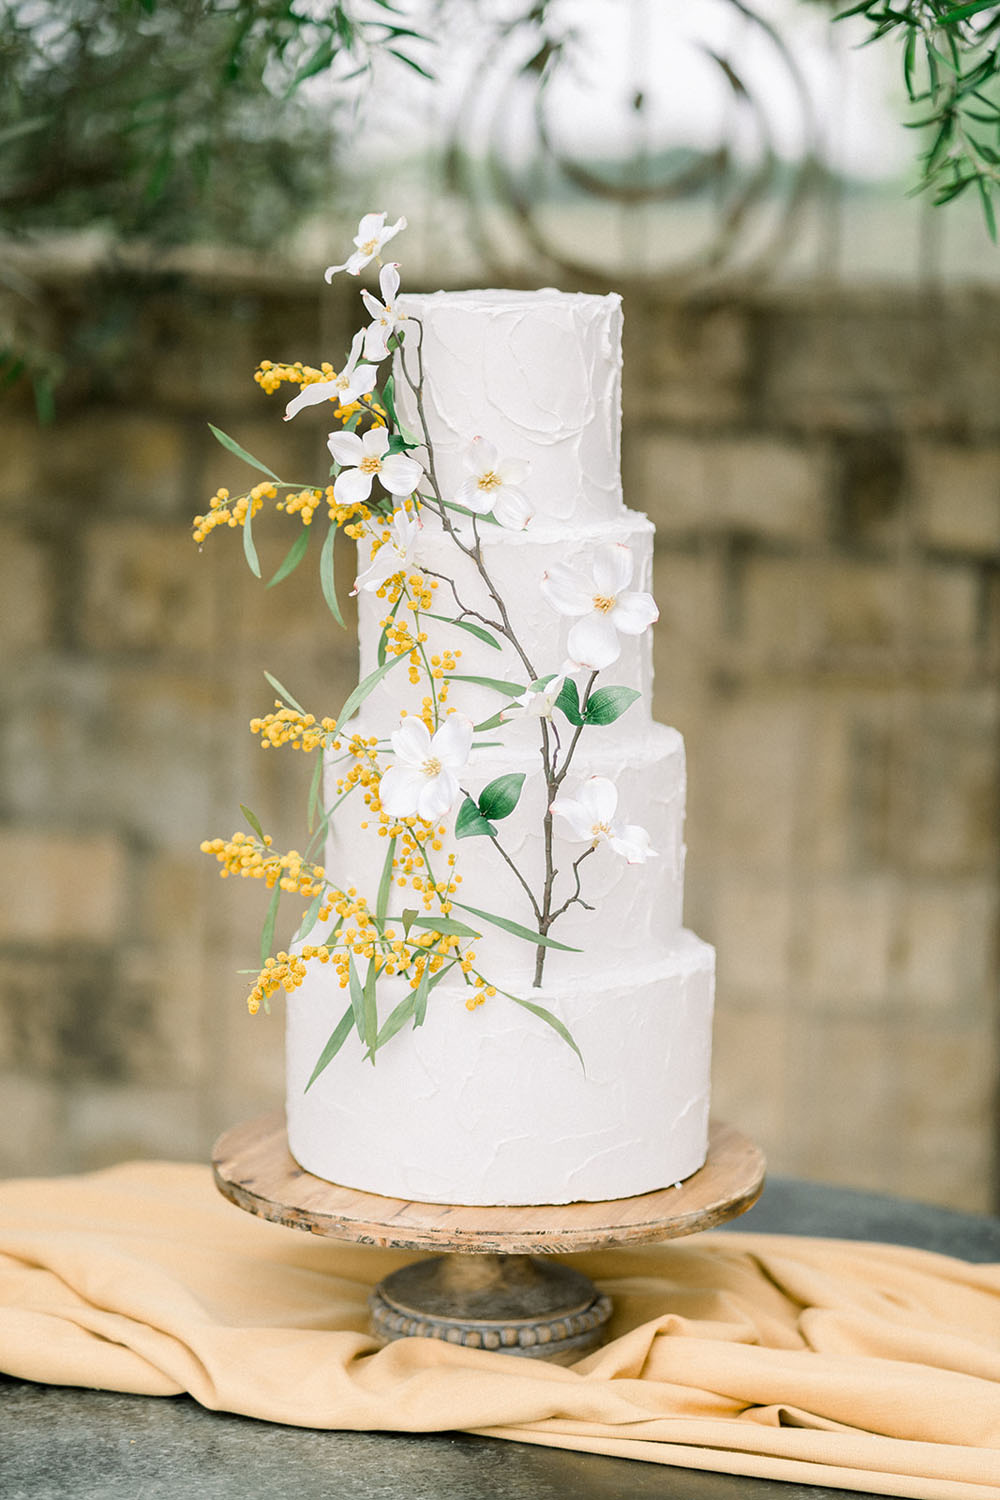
812, 419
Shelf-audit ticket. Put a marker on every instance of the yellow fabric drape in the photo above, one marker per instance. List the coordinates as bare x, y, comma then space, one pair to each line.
869, 1367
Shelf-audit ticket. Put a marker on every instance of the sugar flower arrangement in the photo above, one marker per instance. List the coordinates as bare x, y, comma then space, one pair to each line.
418, 784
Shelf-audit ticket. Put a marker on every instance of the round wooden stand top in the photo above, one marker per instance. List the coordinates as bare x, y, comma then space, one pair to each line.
254, 1170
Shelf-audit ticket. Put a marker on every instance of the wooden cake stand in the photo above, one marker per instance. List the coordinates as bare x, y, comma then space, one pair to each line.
490, 1290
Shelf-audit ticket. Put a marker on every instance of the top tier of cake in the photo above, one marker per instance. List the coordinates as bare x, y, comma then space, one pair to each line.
539, 373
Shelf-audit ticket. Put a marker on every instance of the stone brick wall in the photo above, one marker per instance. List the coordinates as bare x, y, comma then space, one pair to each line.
824, 471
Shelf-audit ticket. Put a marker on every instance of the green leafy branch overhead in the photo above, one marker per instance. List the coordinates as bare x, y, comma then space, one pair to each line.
951, 69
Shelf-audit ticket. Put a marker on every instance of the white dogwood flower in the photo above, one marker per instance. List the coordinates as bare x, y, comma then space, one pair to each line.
373, 233
493, 484
536, 702
394, 553
590, 815
387, 320
422, 783
604, 605
353, 381
364, 458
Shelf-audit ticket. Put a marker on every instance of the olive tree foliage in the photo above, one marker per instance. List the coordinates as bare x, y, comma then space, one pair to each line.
170, 121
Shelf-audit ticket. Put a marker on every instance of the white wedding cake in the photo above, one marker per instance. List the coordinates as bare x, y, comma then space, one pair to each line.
488, 1103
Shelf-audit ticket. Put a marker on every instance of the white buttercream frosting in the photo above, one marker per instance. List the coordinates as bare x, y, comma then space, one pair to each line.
491, 1106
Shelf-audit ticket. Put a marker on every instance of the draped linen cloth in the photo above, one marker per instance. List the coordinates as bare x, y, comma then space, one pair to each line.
860, 1366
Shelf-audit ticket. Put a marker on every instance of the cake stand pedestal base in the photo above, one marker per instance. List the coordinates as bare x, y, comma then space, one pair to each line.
490, 1290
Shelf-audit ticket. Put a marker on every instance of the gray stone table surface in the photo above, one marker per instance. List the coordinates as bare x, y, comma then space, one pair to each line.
58, 1441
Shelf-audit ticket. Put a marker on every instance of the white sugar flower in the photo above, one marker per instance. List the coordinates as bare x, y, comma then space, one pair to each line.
353, 381
422, 783
604, 603
536, 702
493, 485
387, 320
591, 817
396, 552
363, 458
373, 233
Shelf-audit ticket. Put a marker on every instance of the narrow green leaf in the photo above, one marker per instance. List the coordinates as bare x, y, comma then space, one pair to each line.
446, 925
357, 997
385, 885
411, 63
309, 920
988, 212
493, 722
550, 1020
420, 996
961, 12
283, 692
608, 704
253, 820
397, 1018
499, 799
536, 939
326, 575
364, 688
476, 630
293, 557
315, 793
371, 1009
248, 458
509, 689
249, 550
267, 931
470, 824
336, 1040
569, 702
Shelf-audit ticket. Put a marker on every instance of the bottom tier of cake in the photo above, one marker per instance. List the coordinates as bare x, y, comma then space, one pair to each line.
492, 1107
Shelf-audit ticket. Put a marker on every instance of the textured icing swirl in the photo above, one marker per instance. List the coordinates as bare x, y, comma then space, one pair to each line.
536, 373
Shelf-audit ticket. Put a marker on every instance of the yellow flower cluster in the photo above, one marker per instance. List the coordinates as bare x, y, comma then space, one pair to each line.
271, 376
286, 971
305, 503
225, 512
365, 771
247, 856
288, 727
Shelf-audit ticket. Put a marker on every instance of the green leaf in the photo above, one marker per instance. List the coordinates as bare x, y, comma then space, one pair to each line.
470, 823
398, 444
249, 550
537, 939
476, 630
384, 637
253, 820
499, 799
445, 925
410, 916
608, 704
420, 996
988, 212
357, 997
493, 722
569, 702
364, 688
371, 1008
248, 458
326, 576
398, 1017
293, 557
267, 931
284, 693
410, 63
550, 1020
509, 689
961, 12
315, 793
385, 885
336, 1040
309, 920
